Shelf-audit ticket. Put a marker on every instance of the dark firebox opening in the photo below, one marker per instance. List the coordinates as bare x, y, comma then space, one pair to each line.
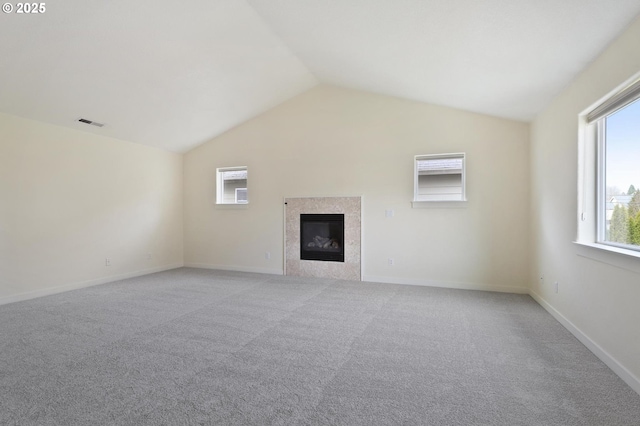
322, 237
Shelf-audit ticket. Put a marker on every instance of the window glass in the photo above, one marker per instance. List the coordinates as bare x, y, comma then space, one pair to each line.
620, 176
439, 177
232, 185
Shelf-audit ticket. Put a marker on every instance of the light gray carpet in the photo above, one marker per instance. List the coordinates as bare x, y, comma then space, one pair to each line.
192, 347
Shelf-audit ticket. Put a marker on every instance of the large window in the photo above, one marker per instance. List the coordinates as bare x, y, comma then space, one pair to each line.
616, 126
439, 178
231, 185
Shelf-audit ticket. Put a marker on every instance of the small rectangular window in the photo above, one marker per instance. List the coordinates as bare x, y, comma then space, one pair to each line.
439, 177
231, 185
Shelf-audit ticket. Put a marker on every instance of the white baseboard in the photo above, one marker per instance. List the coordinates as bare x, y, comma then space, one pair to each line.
446, 284
628, 377
75, 286
235, 268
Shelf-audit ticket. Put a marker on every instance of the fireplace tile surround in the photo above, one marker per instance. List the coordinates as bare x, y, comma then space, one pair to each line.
350, 269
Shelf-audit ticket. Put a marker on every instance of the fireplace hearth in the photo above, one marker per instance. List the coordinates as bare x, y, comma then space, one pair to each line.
322, 237
304, 259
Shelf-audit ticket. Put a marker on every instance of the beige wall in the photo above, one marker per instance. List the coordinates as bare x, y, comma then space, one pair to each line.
70, 199
335, 142
596, 299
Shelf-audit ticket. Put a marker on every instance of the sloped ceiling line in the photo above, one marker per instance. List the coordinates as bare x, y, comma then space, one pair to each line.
174, 76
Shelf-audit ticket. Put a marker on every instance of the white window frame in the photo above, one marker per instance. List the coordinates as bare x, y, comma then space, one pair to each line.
418, 203
600, 182
591, 229
220, 185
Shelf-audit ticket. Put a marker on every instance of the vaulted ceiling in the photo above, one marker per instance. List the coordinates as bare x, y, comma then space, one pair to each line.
176, 74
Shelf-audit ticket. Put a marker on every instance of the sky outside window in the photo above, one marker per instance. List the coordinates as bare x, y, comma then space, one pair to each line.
623, 148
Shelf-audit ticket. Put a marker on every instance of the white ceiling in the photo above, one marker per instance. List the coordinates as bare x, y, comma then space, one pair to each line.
163, 73
176, 74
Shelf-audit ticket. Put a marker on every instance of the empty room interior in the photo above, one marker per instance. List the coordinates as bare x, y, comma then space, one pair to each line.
307, 212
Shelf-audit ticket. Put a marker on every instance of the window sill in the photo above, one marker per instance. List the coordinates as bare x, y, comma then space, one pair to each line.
439, 204
230, 206
614, 256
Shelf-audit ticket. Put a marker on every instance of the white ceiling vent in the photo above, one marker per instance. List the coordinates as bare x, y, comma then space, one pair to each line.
93, 123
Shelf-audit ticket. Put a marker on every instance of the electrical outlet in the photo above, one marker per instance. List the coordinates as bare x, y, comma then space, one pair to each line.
107, 261
390, 262
267, 255
555, 286
389, 213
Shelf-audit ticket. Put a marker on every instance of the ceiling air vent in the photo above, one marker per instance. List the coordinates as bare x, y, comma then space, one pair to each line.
93, 123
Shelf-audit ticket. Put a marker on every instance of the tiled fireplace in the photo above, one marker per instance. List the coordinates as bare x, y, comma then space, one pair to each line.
322, 237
